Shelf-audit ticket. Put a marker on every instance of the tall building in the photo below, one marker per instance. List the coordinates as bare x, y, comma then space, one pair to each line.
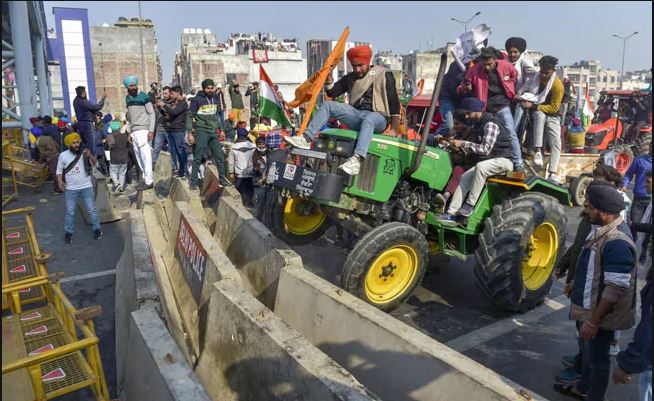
116, 52
590, 71
636, 80
201, 56
425, 65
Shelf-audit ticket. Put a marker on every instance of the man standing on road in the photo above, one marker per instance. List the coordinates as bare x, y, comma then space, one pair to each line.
85, 113
161, 128
638, 170
74, 176
176, 127
493, 81
141, 118
603, 289
373, 102
201, 128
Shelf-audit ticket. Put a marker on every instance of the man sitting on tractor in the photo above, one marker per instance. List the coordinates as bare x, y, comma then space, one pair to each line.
543, 96
494, 151
373, 100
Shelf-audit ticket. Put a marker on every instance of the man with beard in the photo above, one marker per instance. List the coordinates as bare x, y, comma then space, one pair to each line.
373, 101
74, 177
141, 117
201, 127
85, 113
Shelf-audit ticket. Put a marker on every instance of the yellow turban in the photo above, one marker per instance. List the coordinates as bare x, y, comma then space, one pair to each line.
73, 136
55, 120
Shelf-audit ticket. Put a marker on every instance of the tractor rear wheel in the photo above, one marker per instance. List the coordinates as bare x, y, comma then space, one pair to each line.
624, 156
519, 248
386, 265
295, 221
578, 188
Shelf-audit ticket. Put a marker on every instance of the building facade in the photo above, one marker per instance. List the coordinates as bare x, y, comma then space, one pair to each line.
590, 71
201, 56
116, 52
424, 65
318, 51
392, 62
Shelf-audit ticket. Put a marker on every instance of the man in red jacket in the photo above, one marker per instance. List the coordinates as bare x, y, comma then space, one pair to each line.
492, 81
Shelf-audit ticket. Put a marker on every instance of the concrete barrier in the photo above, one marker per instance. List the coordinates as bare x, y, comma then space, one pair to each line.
157, 371
103, 202
251, 355
163, 173
387, 356
137, 352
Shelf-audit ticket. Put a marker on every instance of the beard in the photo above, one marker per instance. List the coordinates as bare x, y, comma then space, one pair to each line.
133, 92
76, 151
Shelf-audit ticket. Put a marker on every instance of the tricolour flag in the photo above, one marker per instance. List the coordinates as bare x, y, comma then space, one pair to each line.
270, 104
587, 110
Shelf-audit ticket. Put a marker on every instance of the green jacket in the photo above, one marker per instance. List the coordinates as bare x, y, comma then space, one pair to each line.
236, 98
203, 114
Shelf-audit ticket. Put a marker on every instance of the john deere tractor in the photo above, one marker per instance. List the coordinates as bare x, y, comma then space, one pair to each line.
516, 232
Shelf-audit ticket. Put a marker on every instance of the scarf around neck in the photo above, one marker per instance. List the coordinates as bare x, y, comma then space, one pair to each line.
531, 93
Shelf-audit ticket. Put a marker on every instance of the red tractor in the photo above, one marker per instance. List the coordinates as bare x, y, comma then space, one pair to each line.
623, 122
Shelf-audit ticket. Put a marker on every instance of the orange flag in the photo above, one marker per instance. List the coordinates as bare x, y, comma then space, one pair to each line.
309, 90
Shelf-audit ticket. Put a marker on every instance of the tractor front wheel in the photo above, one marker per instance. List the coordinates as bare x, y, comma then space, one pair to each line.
519, 248
295, 221
578, 188
386, 265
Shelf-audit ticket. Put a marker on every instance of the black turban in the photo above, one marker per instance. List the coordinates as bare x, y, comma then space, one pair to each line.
518, 43
605, 198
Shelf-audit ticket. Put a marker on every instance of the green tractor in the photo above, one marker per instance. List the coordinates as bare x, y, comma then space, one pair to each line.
517, 230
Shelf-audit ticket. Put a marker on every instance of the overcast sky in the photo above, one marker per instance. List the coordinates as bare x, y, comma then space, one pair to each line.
571, 31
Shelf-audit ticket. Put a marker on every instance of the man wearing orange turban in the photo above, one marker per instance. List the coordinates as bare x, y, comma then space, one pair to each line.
373, 102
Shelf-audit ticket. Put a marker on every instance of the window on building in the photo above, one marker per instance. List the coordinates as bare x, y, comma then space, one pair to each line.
593, 68
591, 92
592, 81
613, 79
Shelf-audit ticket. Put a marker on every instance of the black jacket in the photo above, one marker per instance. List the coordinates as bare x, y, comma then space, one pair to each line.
85, 110
176, 116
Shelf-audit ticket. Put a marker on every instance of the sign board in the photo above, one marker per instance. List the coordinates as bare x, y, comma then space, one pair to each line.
192, 258
306, 182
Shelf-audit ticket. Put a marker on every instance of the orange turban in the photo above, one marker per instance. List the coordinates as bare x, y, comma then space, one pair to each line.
360, 55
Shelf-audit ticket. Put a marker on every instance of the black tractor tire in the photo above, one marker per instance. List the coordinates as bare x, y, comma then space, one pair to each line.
504, 244
643, 142
578, 188
370, 247
274, 219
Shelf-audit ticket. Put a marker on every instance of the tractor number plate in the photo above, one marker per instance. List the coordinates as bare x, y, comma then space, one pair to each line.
306, 182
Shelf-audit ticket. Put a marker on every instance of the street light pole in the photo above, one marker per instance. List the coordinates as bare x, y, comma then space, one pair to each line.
142, 55
624, 46
104, 83
465, 23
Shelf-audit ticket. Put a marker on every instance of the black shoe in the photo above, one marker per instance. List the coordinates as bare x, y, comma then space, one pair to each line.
69, 238
97, 234
224, 182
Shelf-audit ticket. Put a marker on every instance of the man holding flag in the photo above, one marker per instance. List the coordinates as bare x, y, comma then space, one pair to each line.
373, 101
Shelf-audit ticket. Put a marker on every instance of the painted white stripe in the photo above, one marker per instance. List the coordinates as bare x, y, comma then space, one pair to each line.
620, 279
268, 93
80, 277
590, 273
501, 327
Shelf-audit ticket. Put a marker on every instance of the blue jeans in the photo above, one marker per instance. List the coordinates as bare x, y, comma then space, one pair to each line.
507, 119
446, 108
366, 122
596, 365
178, 152
88, 197
160, 139
221, 118
86, 132
645, 386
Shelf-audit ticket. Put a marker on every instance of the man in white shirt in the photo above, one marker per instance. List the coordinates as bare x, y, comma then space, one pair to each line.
74, 177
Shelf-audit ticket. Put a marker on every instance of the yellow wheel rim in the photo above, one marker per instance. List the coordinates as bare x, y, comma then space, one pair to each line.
391, 274
302, 217
540, 256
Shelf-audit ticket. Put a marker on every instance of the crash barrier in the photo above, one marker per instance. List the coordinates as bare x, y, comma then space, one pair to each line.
9, 185
241, 350
23, 262
42, 353
13, 135
149, 364
27, 172
380, 352
107, 213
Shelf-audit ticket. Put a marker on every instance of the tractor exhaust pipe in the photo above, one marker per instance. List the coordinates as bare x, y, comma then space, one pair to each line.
430, 114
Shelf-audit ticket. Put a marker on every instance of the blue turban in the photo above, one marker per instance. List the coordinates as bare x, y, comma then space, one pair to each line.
130, 80
473, 104
36, 131
107, 119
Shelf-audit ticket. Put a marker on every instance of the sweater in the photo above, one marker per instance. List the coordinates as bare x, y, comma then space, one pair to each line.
85, 110
553, 100
478, 77
203, 114
176, 116
236, 98
140, 112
